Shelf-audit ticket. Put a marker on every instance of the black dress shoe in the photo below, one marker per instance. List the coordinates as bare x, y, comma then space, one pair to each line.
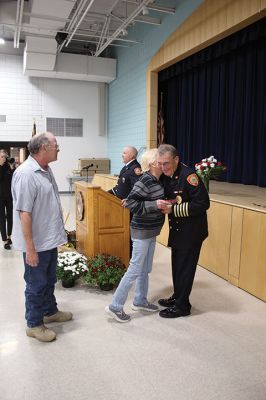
173, 312
7, 246
9, 241
167, 302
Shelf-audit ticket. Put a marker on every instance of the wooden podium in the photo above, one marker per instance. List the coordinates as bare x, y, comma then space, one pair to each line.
102, 224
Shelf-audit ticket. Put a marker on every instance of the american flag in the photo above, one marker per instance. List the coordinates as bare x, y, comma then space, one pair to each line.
34, 128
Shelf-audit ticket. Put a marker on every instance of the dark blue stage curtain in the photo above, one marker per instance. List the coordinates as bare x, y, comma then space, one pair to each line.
215, 104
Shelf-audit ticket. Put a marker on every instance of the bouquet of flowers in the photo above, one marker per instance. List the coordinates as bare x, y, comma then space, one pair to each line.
104, 269
70, 266
209, 168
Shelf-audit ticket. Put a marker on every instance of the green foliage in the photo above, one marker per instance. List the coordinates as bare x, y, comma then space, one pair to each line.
104, 269
209, 168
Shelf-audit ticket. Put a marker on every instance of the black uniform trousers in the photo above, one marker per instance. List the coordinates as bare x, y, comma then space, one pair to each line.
184, 263
6, 217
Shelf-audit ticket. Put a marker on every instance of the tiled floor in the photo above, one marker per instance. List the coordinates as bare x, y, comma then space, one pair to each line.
218, 353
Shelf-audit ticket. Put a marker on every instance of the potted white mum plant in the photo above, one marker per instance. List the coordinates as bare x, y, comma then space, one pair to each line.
71, 265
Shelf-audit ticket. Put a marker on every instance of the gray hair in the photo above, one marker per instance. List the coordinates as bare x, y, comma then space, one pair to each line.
37, 141
133, 150
148, 158
4, 152
167, 148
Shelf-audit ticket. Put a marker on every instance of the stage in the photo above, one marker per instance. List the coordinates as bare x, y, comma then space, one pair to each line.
235, 248
245, 196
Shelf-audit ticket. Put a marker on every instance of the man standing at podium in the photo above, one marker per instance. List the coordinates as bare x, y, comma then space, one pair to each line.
129, 174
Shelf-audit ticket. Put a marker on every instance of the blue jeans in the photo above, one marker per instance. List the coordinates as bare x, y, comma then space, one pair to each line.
39, 293
139, 268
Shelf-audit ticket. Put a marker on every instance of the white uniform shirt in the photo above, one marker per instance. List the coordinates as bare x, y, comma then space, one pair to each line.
34, 190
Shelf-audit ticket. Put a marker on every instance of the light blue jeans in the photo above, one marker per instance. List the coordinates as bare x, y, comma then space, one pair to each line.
139, 268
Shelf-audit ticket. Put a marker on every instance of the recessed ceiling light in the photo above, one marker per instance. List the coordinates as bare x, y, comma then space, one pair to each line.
2, 41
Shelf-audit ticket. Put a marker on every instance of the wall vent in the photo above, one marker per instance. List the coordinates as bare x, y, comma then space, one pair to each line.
70, 127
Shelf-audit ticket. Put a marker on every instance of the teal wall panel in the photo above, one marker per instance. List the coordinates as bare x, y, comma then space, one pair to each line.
127, 93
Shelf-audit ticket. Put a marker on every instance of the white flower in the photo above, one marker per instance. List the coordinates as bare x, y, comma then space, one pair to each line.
212, 165
72, 261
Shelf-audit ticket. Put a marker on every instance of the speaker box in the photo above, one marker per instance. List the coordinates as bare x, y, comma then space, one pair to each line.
60, 37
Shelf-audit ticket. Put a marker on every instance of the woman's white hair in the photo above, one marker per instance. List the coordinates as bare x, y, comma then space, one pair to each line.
148, 158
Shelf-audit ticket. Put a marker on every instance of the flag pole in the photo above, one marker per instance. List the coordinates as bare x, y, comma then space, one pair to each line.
33, 128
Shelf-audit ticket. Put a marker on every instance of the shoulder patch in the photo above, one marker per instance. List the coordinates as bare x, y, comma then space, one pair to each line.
193, 179
137, 171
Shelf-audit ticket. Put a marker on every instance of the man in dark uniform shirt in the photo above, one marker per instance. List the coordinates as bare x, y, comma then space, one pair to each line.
186, 203
129, 174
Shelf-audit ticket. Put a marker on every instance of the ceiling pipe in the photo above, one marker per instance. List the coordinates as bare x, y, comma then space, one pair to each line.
166, 10
94, 42
71, 23
104, 30
107, 37
154, 7
75, 15
106, 26
79, 22
19, 15
123, 26
147, 20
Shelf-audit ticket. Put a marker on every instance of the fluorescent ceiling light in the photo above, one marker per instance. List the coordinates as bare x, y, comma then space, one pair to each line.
2, 41
145, 11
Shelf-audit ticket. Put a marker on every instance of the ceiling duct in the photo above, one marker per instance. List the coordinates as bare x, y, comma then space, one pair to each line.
75, 27
76, 67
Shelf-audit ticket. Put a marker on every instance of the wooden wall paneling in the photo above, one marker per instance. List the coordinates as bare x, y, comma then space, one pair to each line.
263, 4
252, 276
215, 250
151, 113
163, 237
241, 10
235, 245
151, 109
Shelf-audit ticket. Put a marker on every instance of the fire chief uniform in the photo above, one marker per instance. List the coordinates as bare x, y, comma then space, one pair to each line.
188, 228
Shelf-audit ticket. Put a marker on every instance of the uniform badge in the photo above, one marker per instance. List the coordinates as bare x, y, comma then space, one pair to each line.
138, 171
178, 199
123, 180
193, 179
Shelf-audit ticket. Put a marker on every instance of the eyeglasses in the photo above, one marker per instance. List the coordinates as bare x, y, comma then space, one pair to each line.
53, 146
164, 164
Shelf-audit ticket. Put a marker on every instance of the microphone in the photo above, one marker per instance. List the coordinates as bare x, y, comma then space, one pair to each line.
88, 166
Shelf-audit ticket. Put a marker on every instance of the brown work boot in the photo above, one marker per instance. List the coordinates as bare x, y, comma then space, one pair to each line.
41, 333
59, 316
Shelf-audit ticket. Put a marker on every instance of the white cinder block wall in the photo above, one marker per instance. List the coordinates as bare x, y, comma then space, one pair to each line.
23, 98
